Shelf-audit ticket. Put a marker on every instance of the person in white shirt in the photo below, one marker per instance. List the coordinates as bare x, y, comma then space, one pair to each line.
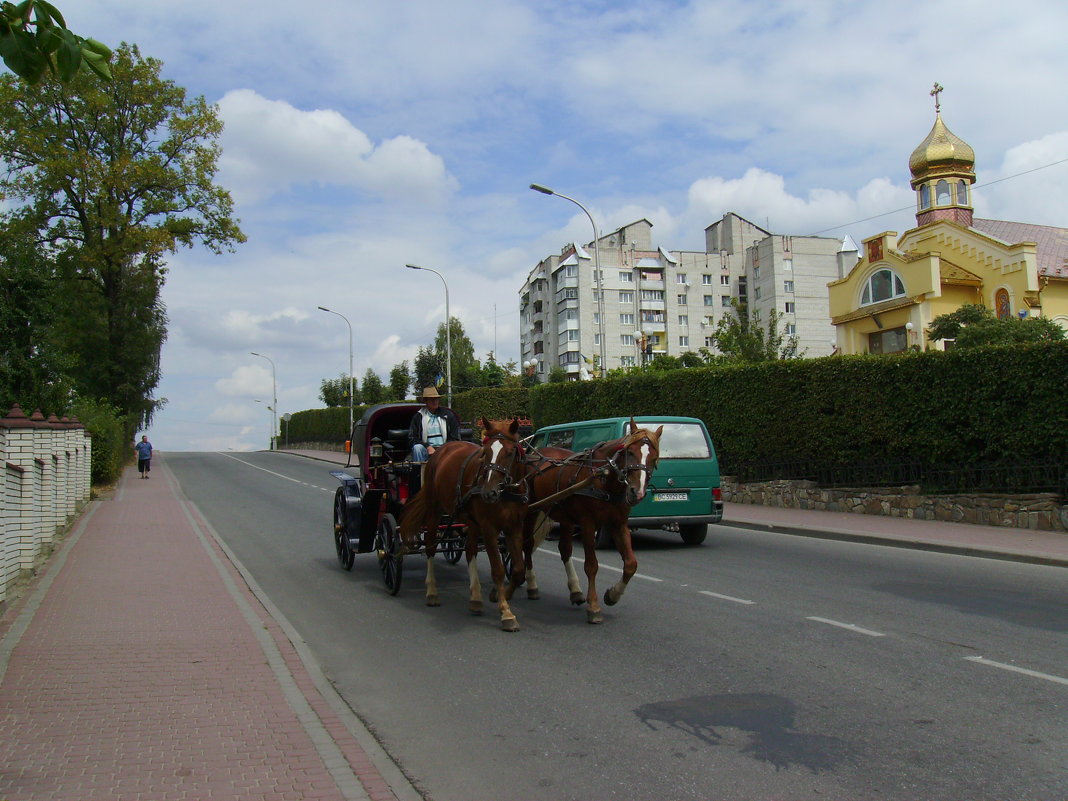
432, 426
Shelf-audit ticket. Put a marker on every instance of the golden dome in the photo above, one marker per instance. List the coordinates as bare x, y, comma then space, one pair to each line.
941, 151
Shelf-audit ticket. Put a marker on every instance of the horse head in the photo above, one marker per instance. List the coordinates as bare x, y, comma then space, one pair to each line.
634, 460
502, 458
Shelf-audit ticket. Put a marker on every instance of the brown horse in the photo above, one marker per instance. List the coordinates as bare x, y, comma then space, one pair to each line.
476, 485
618, 474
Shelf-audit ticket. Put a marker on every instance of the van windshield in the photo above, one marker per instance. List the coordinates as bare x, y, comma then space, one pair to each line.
683, 441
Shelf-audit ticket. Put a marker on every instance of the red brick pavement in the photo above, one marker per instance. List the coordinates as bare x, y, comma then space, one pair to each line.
141, 666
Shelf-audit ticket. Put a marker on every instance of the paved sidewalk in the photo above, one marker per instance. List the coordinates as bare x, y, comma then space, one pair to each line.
140, 666
996, 542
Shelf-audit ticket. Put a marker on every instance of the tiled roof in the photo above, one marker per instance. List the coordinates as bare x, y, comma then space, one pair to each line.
1052, 251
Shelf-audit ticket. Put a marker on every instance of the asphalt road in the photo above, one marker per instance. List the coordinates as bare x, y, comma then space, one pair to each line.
756, 666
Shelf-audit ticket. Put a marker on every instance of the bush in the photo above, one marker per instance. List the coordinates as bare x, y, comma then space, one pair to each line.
110, 433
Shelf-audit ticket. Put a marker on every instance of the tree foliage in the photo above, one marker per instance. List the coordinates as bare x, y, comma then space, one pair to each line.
35, 42
400, 381
335, 391
372, 391
427, 367
465, 367
112, 177
973, 326
741, 338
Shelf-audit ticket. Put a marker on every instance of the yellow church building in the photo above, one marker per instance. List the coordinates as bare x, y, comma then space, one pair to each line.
950, 259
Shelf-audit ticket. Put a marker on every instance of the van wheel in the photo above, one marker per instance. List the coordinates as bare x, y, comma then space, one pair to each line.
693, 533
603, 538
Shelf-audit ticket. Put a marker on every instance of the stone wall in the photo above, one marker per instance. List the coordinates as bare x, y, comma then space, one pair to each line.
1040, 511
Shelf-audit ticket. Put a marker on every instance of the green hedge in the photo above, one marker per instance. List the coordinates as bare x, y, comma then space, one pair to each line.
321, 425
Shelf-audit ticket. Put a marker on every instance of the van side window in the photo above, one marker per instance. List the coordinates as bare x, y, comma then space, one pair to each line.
560, 439
587, 437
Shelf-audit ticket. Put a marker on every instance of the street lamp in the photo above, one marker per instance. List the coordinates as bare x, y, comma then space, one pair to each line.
270, 434
596, 266
639, 340
448, 332
274, 395
346, 319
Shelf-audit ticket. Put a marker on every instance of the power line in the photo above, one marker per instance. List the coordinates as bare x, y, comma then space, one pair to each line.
908, 208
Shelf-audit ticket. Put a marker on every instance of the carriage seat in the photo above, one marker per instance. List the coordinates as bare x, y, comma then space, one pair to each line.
396, 441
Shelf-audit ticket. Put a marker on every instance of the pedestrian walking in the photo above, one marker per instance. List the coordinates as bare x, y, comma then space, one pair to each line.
144, 456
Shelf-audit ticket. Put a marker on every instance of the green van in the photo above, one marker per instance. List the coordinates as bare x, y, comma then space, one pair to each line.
684, 493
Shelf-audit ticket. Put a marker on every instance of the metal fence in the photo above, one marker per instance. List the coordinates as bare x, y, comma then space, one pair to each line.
932, 479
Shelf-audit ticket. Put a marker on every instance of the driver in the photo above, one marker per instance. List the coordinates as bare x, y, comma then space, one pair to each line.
432, 426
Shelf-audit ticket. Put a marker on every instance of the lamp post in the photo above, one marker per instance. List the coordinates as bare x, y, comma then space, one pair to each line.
596, 267
639, 340
274, 395
448, 332
346, 319
270, 434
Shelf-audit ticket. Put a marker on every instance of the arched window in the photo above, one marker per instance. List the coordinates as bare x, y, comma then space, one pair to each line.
883, 285
925, 197
942, 196
962, 193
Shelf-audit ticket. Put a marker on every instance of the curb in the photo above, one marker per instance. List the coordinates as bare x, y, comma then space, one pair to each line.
935, 546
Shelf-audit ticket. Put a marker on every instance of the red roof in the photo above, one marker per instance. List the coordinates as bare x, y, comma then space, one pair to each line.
1052, 251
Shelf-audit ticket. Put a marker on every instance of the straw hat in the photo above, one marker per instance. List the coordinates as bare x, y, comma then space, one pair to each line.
429, 392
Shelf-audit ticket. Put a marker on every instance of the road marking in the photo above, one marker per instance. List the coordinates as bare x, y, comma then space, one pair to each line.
726, 597
848, 626
279, 475
601, 565
1014, 669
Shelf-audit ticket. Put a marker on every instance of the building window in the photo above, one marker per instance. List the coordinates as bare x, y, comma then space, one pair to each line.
710, 300
626, 319
709, 342
626, 277
571, 357
684, 342
680, 299
787, 286
925, 197
597, 339
883, 285
571, 271
684, 320
942, 196
725, 301
656, 295
626, 361
680, 278
756, 272
572, 335
597, 318
893, 341
790, 329
626, 339
756, 293
724, 280
789, 306
626, 296
962, 193
706, 279
788, 264
570, 293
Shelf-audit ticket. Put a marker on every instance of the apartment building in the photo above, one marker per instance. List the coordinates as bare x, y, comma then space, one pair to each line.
648, 301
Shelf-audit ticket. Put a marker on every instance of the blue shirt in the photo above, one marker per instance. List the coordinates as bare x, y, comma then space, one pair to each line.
144, 450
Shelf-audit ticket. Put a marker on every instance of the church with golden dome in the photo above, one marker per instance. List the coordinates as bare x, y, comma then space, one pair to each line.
950, 259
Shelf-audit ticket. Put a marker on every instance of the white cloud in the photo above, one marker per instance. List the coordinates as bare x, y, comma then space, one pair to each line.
247, 381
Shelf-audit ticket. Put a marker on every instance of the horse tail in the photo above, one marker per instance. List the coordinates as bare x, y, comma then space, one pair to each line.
413, 515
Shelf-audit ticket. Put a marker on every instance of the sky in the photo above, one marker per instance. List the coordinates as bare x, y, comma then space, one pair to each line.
361, 136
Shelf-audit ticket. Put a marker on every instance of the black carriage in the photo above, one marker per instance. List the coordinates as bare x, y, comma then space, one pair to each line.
375, 485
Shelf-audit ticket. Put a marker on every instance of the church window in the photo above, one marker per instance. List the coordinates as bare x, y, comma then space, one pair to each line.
925, 197
883, 285
962, 193
942, 196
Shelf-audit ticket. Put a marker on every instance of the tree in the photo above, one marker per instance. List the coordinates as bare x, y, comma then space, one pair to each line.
740, 337
972, 326
464, 364
335, 391
35, 41
372, 390
491, 374
428, 368
400, 381
113, 177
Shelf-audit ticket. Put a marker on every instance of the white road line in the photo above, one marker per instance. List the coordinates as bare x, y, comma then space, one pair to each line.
726, 597
848, 626
601, 565
1014, 669
279, 475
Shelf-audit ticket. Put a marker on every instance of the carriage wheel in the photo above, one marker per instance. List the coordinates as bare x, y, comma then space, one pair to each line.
388, 545
451, 546
345, 555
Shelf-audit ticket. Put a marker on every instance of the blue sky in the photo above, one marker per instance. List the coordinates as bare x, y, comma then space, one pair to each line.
362, 135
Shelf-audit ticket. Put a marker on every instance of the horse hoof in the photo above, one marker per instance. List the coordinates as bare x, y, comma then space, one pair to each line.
510, 624
610, 598
533, 595
594, 617
474, 607
433, 600
578, 598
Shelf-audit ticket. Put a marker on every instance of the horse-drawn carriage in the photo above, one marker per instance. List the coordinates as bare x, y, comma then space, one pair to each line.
488, 496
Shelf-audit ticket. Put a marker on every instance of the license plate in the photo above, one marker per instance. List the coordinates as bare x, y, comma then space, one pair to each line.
669, 496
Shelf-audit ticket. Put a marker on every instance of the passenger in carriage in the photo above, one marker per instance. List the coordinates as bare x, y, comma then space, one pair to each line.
431, 427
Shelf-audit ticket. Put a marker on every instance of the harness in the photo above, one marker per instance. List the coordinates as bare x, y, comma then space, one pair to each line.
604, 468
509, 491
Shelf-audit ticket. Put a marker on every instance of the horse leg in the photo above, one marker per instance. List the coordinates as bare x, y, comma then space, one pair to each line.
431, 582
534, 533
493, 551
630, 565
593, 605
567, 547
474, 602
